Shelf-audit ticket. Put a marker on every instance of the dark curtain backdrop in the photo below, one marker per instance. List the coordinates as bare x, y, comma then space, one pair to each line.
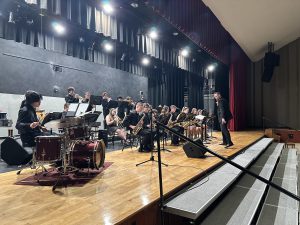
195, 92
195, 19
167, 88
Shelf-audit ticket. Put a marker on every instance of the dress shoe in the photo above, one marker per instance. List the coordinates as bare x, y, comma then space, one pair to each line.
229, 145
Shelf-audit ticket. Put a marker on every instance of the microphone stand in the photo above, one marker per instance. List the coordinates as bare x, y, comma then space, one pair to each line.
152, 159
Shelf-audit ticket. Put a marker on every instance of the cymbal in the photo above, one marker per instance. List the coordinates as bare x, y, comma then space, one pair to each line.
57, 124
64, 123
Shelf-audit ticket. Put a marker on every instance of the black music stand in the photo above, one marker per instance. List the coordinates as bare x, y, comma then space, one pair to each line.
96, 100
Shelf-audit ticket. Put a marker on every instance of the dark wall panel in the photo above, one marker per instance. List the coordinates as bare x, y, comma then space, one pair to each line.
24, 67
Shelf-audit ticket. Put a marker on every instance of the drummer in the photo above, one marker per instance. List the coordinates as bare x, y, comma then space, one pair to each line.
27, 123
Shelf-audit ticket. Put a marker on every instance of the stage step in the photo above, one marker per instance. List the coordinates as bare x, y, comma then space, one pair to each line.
192, 202
240, 204
278, 208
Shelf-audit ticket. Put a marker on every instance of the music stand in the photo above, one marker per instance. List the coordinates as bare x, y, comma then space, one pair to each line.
72, 109
82, 108
96, 100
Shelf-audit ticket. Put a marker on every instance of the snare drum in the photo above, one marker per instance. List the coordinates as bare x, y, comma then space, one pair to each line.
48, 148
87, 154
77, 132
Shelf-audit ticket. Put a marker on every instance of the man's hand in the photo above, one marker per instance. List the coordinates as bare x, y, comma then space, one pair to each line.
34, 125
223, 121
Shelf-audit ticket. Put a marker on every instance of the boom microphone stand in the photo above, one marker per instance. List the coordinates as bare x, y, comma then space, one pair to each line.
152, 159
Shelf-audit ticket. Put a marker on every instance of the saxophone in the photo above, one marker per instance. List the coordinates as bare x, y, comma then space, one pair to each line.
138, 126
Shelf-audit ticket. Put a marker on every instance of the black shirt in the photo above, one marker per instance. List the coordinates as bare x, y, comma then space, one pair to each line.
71, 99
132, 119
27, 115
223, 110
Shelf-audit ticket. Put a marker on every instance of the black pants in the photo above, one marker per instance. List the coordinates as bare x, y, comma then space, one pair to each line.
146, 138
175, 138
225, 134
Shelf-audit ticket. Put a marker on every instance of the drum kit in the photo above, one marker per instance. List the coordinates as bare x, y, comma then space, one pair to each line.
70, 151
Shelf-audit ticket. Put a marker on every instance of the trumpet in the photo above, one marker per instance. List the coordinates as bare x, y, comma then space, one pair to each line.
118, 120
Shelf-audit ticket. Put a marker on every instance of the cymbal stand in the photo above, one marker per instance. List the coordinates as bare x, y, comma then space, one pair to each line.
33, 164
63, 170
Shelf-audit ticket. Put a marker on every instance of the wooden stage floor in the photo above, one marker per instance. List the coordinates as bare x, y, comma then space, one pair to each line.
118, 194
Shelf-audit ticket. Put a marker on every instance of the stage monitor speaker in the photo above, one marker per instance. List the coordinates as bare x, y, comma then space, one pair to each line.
193, 151
13, 153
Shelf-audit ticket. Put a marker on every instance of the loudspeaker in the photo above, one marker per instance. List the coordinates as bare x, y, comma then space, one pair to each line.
193, 151
271, 60
13, 153
103, 134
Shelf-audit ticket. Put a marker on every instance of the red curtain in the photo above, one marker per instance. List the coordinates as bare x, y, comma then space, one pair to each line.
238, 87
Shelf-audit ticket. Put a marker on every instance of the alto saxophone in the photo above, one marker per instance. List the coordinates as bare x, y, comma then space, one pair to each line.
138, 126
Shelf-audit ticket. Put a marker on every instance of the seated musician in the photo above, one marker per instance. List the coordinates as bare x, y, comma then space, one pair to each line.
176, 118
137, 118
192, 126
27, 122
114, 125
164, 115
64, 113
197, 124
72, 97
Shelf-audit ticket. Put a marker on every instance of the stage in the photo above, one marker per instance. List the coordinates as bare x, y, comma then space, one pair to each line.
121, 194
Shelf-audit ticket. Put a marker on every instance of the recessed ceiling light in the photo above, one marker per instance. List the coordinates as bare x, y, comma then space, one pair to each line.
134, 5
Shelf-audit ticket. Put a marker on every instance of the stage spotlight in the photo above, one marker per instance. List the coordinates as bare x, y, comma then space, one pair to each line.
107, 7
175, 33
211, 68
185, 52
60, 29
108, 47
145, 61
134, 5
153, 33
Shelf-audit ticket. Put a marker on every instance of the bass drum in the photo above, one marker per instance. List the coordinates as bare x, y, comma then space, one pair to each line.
87, 154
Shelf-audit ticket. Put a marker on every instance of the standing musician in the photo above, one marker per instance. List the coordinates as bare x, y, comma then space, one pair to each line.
131, 105
114, 125
86, 99
72, 97
132, 120
27, 122
121, 107
224, 115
